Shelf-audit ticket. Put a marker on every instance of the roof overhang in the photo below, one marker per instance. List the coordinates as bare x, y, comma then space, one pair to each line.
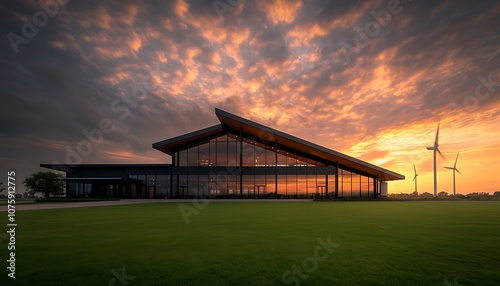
266, 134
69, 167
92, 179
167, 146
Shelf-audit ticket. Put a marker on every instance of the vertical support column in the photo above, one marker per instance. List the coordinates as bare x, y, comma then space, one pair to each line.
67, 186
360, 185
351, 182
379, 187
375, 187
241, 163
326, 186
171, 183
276, 170
337, 179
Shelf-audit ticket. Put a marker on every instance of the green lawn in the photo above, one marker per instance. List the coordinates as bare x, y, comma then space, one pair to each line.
237, 243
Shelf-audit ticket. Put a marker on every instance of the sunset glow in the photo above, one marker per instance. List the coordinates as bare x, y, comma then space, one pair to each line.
158, 70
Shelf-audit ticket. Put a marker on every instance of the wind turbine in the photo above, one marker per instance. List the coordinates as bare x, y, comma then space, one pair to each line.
436, 149
454, 168
415, 178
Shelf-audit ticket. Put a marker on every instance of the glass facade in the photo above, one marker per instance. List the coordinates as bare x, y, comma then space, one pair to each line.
134, 187
226, 166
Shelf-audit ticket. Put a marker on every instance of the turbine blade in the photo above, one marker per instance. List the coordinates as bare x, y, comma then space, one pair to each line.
442, 156
458, 171
451, 168
437, 136
456, 160
414, 169
430, 148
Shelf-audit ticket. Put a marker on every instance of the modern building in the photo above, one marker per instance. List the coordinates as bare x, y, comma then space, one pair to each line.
237, 158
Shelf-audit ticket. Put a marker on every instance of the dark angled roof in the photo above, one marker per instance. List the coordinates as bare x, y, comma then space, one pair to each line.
166, 146
69, 167
231, 122
234, 122
92, 179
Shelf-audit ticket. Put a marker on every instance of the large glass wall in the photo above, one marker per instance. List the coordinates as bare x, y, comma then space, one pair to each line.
134, 186
79, 189
211, 167
147, 187
219, 151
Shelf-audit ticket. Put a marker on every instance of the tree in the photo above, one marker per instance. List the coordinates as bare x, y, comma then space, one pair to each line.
1, 188
47, 183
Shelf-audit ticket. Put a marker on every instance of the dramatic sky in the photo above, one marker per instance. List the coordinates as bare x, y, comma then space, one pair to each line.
371, 79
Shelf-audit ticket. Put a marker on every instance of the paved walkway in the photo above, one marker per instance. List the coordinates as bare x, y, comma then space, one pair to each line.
47, 206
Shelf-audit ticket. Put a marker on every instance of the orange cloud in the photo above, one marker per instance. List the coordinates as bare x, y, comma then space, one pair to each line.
181, 8
279, 11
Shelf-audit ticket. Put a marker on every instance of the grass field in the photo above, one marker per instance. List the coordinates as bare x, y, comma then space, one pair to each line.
379, 243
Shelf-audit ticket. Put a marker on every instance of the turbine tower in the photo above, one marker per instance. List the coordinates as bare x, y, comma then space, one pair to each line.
415, 178
454, 168
435, 149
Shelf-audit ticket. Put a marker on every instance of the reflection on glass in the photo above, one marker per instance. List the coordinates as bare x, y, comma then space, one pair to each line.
302, 186
204, 155
193, 185
282, 190
331, 186
311, 186
301, 162
260, 156
221, 186
356, 185
270, 186
192, 156
213, 153
203, 184
233, 190
248, 186
232, 154
222, 153
248, 154
291, 186
162, 186
182, 186
346, 184
304, 177
183, 160
270, 157
282, 160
